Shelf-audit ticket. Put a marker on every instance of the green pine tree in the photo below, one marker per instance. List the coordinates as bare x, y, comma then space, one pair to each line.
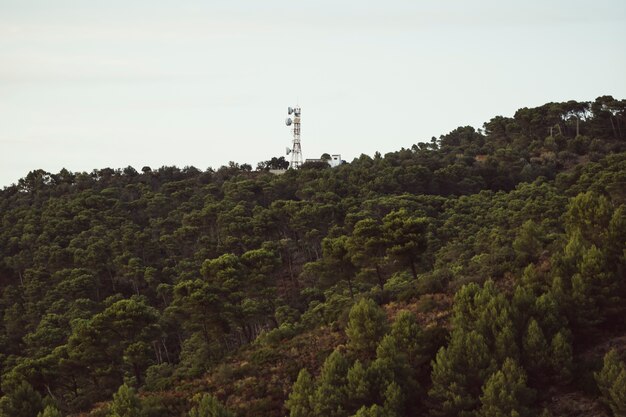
561, 358
528, 242
395, 400
20, 401
409, 338
366, 326
359, 386
299, 401
535, 351
459, 370
594, 289
125, 403
209, 406
506, 394
373, 411
617, 394
50, 411
611, 381
397, 370
330, 397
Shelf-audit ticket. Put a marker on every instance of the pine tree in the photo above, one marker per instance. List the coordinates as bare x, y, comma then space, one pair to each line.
374, 411
459, 370
209, 406
367, 324
527, 243
548, 313
615, 241
522, 305
330, 397
409, 338
561, 358
611, 369
588, 214
505, 344
50, 411
487, 311
394, 368
594, 289
299, 401
20, 401
611, 381
395, 400
505, 393
366, 247
535, 350
125, 403
406, 236
530, 278
359, 386
618, 395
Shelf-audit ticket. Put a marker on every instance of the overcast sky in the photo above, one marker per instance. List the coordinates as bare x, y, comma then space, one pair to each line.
90, 84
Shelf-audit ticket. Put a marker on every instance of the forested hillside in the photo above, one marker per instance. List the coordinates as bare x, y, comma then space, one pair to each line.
479, 274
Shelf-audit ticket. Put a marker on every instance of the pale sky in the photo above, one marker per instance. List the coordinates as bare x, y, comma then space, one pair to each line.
88, 84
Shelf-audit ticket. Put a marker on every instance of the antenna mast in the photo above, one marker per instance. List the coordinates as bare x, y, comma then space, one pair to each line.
296, 150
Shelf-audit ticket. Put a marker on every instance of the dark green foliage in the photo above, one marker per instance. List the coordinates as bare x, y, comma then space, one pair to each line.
459, 370
528, 243
125, 403
330, 397
50, 411
209, 406
611, 380
561, 358
300, 399
618, 395
407, 238
360, 389
392, 369
506, 394
373, 411
410, 339
367, 324
535, 350
20, 400
488, 312
367, 246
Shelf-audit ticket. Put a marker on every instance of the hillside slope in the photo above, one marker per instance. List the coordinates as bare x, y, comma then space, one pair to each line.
437, 279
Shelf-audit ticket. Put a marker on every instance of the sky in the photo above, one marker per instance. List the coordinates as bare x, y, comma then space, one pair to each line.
88, 84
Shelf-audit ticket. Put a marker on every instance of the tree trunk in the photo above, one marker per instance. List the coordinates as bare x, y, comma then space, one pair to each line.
613, 126
413, 269
137, 372
167, 354
380, 278
350, 287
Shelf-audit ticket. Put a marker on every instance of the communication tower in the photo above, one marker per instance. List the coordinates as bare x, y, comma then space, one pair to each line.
295, 150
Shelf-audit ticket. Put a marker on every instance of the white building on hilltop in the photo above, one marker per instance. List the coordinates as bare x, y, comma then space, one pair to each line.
335, 160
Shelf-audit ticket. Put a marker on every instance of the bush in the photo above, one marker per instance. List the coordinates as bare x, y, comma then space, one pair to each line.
401, 286
264, 355
159, 377
277, 335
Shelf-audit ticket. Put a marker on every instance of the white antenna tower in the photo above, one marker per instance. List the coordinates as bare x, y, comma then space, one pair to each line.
296, 150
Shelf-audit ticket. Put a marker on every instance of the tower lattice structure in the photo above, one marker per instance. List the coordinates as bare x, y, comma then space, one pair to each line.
296, 147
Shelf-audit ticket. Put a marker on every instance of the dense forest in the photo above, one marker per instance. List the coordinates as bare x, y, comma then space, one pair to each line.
481, 273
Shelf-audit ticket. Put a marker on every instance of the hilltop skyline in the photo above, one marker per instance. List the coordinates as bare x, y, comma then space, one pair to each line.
87, 86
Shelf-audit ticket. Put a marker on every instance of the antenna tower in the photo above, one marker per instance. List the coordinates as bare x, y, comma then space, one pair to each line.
296, 150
